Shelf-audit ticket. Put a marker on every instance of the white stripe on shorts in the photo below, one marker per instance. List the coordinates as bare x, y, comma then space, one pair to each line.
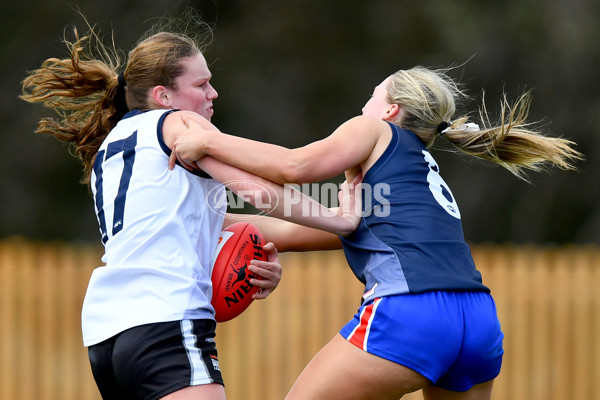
363, 329
199, 375
375, 305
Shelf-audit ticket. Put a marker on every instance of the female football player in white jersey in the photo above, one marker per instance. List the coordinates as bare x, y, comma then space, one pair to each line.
147, 319
427, 321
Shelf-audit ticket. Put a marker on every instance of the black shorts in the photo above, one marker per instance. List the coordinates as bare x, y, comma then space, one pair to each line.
150, 361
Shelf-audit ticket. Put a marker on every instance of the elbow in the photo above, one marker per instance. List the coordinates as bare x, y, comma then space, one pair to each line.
288, 166
345, 232
289, 175
293, 171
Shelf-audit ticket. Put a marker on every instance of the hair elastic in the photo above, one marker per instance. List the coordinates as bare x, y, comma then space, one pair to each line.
121, 80
443, 127
120, 98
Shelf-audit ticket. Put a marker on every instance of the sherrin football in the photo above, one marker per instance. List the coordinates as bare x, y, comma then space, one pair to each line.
239, 244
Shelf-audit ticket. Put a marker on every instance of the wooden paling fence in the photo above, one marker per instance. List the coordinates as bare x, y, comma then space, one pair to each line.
547, 298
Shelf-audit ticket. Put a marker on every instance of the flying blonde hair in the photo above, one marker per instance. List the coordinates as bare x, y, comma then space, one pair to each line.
428, 98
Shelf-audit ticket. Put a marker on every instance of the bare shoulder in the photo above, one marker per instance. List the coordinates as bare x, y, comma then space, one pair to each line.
178, 121
171, 125
367, 125
376, 131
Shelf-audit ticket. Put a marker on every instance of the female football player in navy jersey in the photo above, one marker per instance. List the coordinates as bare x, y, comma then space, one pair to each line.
147, 319
426, 321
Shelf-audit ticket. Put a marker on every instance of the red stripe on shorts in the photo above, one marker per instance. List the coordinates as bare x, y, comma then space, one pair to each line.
360, 334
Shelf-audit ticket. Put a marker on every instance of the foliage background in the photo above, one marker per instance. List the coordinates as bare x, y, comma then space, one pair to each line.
290, 72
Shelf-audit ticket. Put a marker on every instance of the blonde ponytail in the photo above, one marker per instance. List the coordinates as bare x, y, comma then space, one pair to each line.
428, 100
512, 142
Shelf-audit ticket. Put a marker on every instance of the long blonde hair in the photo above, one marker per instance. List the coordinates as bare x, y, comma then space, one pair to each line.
88, 93
428, 98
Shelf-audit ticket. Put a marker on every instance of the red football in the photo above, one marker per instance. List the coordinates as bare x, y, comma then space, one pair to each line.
232, 292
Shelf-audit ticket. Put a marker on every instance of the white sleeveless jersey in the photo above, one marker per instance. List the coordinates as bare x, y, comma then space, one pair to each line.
159, 231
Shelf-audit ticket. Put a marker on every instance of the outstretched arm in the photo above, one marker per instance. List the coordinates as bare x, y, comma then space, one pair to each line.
278, 201
290, 205
344, 150
288, 236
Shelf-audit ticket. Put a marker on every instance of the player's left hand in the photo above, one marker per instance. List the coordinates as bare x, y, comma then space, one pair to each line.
269, 270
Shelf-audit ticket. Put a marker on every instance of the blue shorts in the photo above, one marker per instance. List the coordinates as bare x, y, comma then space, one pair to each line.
451, 338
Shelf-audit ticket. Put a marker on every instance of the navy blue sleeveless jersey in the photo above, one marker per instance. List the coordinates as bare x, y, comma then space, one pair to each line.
410, 239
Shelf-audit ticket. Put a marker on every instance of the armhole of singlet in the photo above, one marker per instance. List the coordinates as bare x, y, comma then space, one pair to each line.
385, 156
167, 150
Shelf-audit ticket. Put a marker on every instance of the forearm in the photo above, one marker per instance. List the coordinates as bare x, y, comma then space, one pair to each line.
288, 236
272, 162
276, 200
344, 150
301, 209
290, 205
